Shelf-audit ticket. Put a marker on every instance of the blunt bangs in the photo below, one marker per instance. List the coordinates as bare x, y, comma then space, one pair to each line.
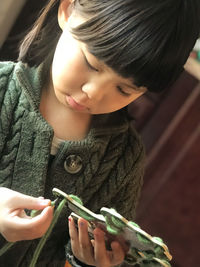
145, 42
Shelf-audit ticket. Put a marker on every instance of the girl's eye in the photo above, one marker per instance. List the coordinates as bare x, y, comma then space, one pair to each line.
89, 65
122, 91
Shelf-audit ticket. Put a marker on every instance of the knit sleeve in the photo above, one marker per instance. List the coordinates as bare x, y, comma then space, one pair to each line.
6, 69
119, 178
126, 200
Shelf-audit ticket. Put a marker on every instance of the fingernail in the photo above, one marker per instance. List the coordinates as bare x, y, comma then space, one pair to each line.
99, 235
46, 202
69, 219
82, 223
96, 236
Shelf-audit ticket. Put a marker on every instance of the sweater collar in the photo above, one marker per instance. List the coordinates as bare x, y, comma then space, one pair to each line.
31, 80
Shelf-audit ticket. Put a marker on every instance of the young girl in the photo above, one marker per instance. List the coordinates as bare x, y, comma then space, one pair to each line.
63, 119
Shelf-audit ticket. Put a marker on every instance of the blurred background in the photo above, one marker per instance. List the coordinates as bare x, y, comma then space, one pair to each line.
170, 129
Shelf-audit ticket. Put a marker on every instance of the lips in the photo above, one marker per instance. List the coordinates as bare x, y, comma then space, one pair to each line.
72, 103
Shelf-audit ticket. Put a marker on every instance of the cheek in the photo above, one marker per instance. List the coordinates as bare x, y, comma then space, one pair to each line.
135, 97
114, 103
121, 102
65, 54
66, 67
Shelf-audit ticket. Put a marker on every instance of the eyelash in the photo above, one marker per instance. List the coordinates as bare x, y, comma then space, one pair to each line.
118, 87
122, 92
89, 65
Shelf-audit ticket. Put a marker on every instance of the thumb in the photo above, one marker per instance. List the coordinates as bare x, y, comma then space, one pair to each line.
21, 201
32, 228
41, 222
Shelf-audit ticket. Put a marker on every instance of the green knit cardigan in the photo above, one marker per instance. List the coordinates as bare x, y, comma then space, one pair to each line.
109, 162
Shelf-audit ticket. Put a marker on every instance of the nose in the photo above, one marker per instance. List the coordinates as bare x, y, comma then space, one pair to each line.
94, 91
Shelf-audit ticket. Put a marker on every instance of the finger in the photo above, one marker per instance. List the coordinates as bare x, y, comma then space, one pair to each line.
27, 202
92, 242
117, 254
45, 217
84, 241
20, 213
74, 237
100, 253
28, 229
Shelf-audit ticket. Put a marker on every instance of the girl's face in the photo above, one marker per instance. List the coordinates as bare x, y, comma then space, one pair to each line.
83, 83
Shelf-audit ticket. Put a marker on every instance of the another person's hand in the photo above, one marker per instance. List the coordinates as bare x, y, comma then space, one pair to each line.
93, 252
15, 224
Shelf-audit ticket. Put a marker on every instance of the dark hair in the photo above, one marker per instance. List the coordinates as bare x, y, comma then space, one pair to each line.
147, 41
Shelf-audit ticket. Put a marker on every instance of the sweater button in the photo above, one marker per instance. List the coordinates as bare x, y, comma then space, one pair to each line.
73, 164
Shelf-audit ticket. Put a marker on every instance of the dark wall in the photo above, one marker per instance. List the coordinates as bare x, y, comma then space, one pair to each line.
28, 15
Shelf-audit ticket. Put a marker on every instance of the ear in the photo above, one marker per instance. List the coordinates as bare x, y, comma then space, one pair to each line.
63, 12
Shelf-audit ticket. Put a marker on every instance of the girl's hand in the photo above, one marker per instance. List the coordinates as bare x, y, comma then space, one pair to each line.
93, 252
15, 224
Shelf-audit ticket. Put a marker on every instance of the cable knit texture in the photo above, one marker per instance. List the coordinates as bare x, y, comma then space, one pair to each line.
112, 161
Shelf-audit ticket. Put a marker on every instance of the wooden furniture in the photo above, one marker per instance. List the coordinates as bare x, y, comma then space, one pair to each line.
193, 67
169, 205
